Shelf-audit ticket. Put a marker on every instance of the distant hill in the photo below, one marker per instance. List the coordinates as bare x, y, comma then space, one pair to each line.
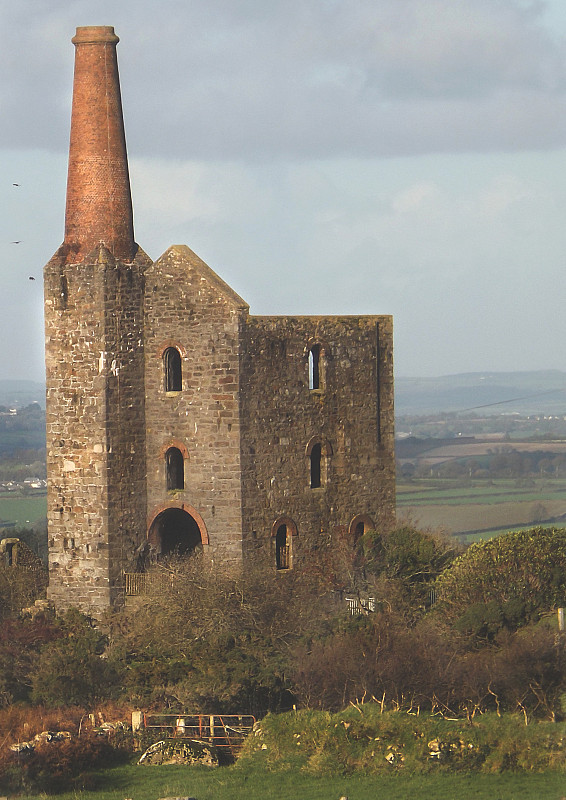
540, 392
17, 394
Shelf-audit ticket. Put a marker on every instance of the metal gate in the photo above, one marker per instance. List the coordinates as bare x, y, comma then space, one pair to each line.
226, 732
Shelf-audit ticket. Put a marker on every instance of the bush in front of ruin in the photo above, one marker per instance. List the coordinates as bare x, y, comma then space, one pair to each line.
72, 669
509, 581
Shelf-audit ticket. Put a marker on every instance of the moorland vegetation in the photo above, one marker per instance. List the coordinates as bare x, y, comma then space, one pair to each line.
457, 635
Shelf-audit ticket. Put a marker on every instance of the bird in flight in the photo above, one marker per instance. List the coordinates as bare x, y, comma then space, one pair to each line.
31, 278
18, 242
15, 184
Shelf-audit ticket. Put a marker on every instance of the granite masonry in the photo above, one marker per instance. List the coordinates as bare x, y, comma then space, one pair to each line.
175, 419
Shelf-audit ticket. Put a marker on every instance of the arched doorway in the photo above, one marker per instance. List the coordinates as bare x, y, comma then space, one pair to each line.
175, 530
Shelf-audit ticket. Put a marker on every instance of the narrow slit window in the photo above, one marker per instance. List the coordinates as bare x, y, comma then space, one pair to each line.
314, 367
282, 548
175, 469
316, 466
64, 291
172, 369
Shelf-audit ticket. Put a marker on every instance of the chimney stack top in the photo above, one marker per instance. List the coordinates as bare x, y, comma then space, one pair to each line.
94, 34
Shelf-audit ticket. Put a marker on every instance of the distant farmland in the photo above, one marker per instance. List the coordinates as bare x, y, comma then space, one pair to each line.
469, 448
475, 503
486, 510
22, 511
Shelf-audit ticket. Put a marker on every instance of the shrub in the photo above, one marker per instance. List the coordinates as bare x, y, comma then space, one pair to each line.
71, 669
20, 723
377, 656
523, 572
409, 559
21, 641
214, 641
21, 585
55, 766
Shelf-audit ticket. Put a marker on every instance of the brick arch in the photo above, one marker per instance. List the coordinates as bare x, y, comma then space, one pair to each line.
291, 525
182, 507
171, 343
325, 446
175, 443
361, 519
322, 343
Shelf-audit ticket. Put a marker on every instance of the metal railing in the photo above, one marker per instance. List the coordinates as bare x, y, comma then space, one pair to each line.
360, 605
135, 583
138, 583
284, 557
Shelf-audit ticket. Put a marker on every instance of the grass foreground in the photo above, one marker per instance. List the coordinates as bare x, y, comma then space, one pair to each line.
236, 783
360, 753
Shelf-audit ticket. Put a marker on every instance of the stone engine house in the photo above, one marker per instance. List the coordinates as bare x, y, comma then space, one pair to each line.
175, 419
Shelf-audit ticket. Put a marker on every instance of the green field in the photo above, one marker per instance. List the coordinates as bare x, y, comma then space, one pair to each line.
483, 507
23, 511
233, 783
498, 492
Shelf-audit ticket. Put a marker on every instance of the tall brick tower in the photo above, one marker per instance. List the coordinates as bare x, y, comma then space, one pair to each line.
94, 349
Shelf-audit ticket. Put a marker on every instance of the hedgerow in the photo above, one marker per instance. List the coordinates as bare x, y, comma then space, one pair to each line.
365, 739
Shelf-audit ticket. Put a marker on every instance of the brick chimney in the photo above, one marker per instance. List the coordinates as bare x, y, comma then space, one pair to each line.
99, 204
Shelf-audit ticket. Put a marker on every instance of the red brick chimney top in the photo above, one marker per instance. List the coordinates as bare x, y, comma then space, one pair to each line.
92, 34
99, 205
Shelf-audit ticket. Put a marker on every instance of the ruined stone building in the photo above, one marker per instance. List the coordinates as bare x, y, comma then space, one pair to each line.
175, 419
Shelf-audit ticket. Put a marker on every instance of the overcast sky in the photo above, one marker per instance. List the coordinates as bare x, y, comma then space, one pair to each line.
403, 157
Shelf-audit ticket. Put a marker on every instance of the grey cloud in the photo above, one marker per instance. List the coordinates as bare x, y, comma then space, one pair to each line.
296, 79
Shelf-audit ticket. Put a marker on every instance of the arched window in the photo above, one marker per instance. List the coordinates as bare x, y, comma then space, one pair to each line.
282, 548
318, 355
316, 472
314, 367
360, 525
172, 370
64, 291
282, 534
318, 454
175, 469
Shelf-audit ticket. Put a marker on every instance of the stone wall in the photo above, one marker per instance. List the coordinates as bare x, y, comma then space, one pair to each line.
190, 308
245, 419
350, 415
95, 433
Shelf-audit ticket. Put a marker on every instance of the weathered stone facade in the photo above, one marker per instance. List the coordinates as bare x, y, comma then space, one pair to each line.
349, 416
192, 310
95, 442
174, 418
